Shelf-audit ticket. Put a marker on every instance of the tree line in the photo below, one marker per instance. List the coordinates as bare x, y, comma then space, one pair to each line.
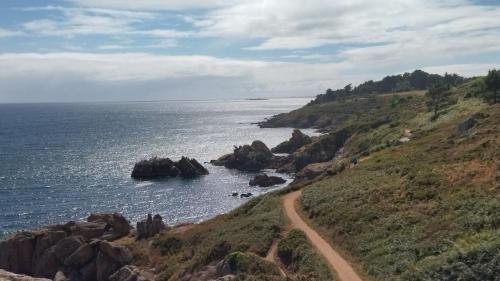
417, 80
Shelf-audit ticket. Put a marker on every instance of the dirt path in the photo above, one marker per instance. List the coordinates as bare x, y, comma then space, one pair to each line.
271, 257
344, 271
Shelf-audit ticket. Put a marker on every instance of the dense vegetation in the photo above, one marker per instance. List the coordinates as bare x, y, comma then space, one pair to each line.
417, 80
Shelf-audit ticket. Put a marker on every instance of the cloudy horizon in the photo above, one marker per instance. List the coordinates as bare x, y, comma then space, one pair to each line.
106, 50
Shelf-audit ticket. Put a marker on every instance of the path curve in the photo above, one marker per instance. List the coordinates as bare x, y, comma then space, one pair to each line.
344, 270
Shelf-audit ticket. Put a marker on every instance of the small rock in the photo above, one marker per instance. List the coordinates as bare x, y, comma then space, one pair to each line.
246, 195
466, 125
264, 180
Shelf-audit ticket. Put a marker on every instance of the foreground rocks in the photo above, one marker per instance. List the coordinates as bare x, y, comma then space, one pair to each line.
248, 158
297, 140
9, 276
72, 251
150, 227
264, 180
155, 168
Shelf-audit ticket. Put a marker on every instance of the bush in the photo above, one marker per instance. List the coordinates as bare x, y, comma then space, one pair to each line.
299, 257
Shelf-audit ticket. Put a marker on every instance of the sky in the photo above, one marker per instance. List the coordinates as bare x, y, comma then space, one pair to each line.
122, 50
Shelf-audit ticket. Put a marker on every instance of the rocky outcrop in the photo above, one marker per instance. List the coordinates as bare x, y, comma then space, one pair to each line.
130, 273
248, 158
470, 122
297, 140
322, 149
150, 227
76, 250
311, 171
264, 180
9, 276
155, 168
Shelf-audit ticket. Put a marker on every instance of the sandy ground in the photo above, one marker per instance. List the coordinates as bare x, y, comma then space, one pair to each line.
343, 269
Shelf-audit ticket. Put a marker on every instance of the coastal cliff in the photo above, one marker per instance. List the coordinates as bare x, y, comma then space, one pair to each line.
405, 193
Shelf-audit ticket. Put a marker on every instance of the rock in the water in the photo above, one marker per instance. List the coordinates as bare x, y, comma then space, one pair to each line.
150, 227
246, 195
190, 168
248, 158
297, 140
155, 168
9, 276
264, 180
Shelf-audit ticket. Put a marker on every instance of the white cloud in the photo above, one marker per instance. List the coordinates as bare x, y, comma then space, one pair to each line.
9, 33
303, 24
152, 4
122, 76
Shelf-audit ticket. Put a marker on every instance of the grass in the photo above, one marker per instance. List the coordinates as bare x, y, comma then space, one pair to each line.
249, 229
299, 257
406, 212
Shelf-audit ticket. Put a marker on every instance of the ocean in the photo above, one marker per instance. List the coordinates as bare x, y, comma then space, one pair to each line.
63, 161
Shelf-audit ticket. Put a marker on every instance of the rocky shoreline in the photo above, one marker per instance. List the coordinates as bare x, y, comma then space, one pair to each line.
91, 250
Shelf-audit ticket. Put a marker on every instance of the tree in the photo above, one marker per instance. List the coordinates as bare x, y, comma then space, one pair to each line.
438, 97
492, 82
348, 89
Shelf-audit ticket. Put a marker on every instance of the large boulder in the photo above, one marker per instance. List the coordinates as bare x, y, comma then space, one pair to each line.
105, 266
79, 249
155, 168
297, 140
150, 227
119, 254
80, 256
16, 254
67, 246
248, 158
47, 264
115, 225
264, 180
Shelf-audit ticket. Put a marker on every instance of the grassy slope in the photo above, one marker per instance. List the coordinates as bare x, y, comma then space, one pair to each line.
417, 211
299, 257
425, 210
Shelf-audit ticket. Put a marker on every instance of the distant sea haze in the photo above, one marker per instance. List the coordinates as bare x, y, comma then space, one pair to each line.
61, 162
